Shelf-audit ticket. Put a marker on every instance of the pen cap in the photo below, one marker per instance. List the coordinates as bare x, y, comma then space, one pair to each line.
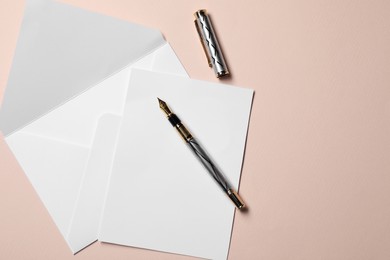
210, 43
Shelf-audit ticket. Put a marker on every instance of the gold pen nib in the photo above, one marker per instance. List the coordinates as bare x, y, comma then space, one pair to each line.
164, 107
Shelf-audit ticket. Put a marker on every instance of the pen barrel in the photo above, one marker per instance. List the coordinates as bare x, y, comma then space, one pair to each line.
208, 164
210, 43
215, 172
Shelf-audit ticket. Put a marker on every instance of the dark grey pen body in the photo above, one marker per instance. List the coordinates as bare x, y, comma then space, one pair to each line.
202, 155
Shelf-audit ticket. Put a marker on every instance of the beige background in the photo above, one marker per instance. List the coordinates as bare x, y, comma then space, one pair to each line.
317, 166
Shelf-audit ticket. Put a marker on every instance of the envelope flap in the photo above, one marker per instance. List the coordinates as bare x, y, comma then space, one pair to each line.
61, 52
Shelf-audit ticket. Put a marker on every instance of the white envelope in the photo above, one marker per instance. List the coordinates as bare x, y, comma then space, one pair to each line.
68, 80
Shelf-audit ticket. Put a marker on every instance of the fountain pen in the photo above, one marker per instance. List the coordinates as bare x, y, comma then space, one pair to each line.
202, 155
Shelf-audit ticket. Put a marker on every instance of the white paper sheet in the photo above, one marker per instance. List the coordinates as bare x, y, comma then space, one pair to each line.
72, 67
160, 197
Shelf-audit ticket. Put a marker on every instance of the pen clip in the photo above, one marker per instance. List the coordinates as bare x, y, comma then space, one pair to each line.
202, 43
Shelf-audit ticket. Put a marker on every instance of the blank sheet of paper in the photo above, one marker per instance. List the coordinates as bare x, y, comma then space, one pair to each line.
160, 197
